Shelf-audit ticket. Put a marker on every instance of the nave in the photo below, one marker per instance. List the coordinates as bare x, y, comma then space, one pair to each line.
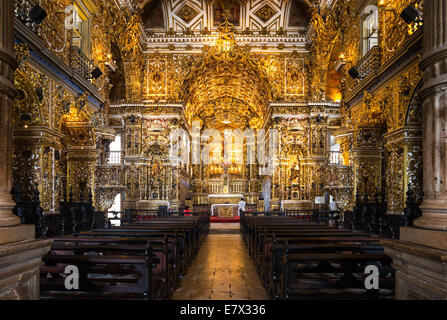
222, 269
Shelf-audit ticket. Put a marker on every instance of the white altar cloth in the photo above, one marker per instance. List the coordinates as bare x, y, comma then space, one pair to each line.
225, 195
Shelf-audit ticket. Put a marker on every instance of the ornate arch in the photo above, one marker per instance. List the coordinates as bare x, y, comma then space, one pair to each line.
28, 117
28, 109
227, 86
413, 115
156, 149
333, 77
77, 127
293, 146
413, 127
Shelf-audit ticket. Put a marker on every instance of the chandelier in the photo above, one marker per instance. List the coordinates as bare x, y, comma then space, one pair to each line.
235, 169
216, 169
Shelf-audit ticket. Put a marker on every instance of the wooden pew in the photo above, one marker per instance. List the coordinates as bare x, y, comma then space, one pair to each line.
288, 247
100, 276
301, 260
266, 238
181, 246
295, 267
190, 230
172, 241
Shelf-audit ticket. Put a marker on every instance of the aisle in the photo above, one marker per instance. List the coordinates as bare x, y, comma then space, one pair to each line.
222, 270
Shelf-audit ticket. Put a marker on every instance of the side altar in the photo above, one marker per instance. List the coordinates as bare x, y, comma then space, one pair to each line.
224, 205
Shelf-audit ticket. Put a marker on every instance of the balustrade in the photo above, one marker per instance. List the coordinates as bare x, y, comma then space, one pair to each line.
335, 157
366, 66
369, 63
371, 215
115, 157
22, 10
80, 63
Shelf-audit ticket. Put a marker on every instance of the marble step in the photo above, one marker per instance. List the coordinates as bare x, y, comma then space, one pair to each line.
224, 231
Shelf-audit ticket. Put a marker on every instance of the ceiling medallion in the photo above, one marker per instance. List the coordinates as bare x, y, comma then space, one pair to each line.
186, 13
265, 13
226, 41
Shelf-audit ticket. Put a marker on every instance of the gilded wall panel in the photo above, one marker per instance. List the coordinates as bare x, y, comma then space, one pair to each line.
393, 30
295, 77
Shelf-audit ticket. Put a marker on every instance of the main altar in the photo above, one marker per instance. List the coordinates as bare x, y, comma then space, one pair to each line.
224, 205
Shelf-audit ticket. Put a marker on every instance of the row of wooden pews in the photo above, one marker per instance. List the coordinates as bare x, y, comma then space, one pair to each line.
306, 260
137, 260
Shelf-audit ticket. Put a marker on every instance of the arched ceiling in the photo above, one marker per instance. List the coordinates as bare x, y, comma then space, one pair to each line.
226, 90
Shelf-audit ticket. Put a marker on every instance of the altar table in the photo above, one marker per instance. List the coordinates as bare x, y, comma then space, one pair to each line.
224, 210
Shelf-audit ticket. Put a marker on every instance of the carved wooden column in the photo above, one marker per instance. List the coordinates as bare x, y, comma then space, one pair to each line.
8, 64
434, 99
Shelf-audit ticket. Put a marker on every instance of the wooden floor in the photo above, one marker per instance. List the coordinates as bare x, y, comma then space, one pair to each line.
222, 270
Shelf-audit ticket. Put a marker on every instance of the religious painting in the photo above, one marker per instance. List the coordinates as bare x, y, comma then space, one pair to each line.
153, 15
298, 15
226, 9
157, 169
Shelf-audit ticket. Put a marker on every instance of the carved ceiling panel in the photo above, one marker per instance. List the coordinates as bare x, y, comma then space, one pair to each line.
192, 24
266, 15
185, 15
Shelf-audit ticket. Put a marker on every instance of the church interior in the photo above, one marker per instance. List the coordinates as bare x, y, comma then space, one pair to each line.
223, 149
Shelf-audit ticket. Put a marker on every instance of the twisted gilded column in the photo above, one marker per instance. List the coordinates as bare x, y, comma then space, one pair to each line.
8, 64
434, 100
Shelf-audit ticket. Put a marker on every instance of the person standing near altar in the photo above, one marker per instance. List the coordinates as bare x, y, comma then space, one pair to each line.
333, 205
241, 206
